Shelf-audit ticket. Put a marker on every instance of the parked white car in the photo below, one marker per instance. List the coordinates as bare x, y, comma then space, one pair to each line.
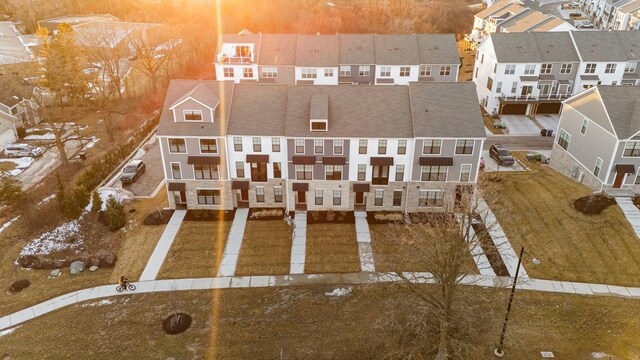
22, 150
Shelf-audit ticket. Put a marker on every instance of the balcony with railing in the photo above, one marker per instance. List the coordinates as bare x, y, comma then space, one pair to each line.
533, 97
233, 59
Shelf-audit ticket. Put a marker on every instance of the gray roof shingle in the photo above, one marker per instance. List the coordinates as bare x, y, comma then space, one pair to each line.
278, 49
397, 50
317, 51
446, 109
438, 49
258, 110
623, 106
608, 45
357, 49
529, 47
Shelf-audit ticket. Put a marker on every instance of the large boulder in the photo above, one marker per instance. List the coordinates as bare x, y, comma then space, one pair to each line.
19, 285
76, 267
104, 259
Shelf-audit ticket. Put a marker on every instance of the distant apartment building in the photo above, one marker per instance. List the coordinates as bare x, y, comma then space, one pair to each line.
513, 16
598, 141
342, 147
613, 14
532, 73
336, 59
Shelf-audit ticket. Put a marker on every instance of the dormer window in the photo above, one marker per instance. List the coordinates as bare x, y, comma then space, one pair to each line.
319, 113
192, 115
319, 125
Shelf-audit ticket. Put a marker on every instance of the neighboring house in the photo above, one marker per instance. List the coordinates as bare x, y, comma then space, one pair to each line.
334, 59
531, 73
74, 20
513, 16
613, 14
598, 142
8, 133
17, 104
336, 147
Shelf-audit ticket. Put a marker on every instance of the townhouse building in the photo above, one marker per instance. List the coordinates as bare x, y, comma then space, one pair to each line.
226, 145
598, 142
337, 59
532, 73
613, 14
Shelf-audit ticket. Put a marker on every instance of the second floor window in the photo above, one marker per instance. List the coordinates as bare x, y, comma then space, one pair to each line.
610, 69
176, 174
564, 139
362, 146
177, 146
546, 68
380, 175
529, 69
318, 146
566, 68
333, 172
405, 71
630, 67
425, 70
362, 172
590, 68
345, 70
385, 71
277, 170
192, 115
510, 69
364, 70
431, 146
464, 147
227, 72
237, 144
338, 145
206, 172
434, 173
304, 172
583, 129
208, 146
399, 172
275, 144
308, 73
465, 172
382, 146
257, 144
247, 72
402, 147
445, 70
299, 146
632, 149
239, 169
270, 72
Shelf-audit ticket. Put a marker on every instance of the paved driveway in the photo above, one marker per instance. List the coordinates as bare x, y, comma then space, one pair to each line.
490, 165
549, 121
152, 177
520, 125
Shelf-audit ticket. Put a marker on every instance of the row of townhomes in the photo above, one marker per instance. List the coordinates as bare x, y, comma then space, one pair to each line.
513, 16
376, 148
613, 14
337, 59
532, 73
598, 142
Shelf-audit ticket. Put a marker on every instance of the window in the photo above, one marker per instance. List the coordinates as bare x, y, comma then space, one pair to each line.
529, 69
177, 146
546, 68
596, 170
270, 72
382, 147
208, 197
433, 173
566, 68
208, 146
362, 172
499, 87
380, 175
192, 115
338, 146
228, 72
247, 72
465, 172
257, 144
510, 69
630, 67
431, 146
583, 129
337, 197
399, 172
318, 125
309, 73
333, 172
345, 70
260, 194
277, 170
299, 146
319, 197
482, 59
489, 83
304, 172
632, 149
275, 144
610, 69
445, 70
237, 144
379, 197
328, 72
176, 174
364, 70
259, 172
564, 139
362, 146
476, 73
318, 147
590, 68
430, 198
402, 147
385, 71
464, 147
495, 67
239, 169
397, 197
206, 172
425, 70
277, 194
514, 87
405, 71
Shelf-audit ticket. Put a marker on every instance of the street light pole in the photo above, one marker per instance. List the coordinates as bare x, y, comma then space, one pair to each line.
499, 352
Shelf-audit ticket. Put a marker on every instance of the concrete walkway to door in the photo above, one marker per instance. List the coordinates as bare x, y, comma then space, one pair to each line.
631, 212
299, 243
234, 243
364, 242
162, 248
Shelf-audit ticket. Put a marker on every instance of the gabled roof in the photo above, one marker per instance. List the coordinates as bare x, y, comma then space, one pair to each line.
524, 21
438, 49
549, 25
317, 51
357, 49
258, 109
493, 9
608, 45
623, 106
396, 50
531, 47
278, 49
202, 94
446, 109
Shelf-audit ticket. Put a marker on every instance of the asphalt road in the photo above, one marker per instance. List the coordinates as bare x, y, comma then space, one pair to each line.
44, 165
521, 142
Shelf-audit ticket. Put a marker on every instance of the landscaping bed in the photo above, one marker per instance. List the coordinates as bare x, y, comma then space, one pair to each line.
331, 248
384, 217
158, 217
266, 248
267, 214
490, 250
210, 215
593, 204
331, 217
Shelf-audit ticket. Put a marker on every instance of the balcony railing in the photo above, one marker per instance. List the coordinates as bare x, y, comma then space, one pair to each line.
533, 97
234, 59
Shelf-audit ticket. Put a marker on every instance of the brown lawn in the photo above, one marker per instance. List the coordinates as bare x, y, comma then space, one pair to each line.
266, 248
331, 248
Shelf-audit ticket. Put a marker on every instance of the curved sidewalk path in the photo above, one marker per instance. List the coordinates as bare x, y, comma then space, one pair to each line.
228, 282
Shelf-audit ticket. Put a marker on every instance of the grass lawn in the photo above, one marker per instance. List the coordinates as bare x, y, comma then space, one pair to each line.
331, 248
302, 323
388, 255
266, 248
196, 251
535, 210
7, 166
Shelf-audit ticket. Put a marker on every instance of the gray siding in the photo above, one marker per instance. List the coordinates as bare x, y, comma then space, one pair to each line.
309, 150
435, 74
193, 149
355, 75
286, 75
448, 150
619, 159
192, 105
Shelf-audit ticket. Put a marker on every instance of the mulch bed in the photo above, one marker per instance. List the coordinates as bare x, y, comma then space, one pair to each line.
490, 250
331, 217
176, 323
19, 285
266, 213
385, 217
210, 215
158, 217
593, 204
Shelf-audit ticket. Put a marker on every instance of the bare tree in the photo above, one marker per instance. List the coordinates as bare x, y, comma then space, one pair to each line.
153, 51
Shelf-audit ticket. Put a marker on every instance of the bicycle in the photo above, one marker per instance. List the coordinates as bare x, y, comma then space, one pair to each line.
121, 288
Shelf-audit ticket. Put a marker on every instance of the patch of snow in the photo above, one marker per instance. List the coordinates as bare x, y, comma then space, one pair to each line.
601, 355
8, 223
8, 331
21, 164
47, 136
339, 292
55, 240
47, 199
100, 303
91, 143
123, 196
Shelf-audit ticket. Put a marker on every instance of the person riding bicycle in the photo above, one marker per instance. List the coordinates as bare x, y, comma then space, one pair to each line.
124, 282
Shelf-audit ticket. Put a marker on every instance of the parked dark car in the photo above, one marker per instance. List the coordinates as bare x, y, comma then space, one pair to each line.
132, 171
501, 154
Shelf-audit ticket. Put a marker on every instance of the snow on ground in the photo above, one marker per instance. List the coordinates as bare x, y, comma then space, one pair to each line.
4, 226
47, 199
55, 240
143, 149
8, 331
338, 292
21, 164
100, 303
120, 194
91, 143
47, 136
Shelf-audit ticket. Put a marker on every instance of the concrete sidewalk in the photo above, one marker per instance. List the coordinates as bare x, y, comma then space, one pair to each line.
298, 243
162, 248
234, 243
363, 236
631, 212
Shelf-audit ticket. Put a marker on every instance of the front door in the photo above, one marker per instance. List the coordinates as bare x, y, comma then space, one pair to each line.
180, 197
302, 197
359, 198
244, 195
617, 183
